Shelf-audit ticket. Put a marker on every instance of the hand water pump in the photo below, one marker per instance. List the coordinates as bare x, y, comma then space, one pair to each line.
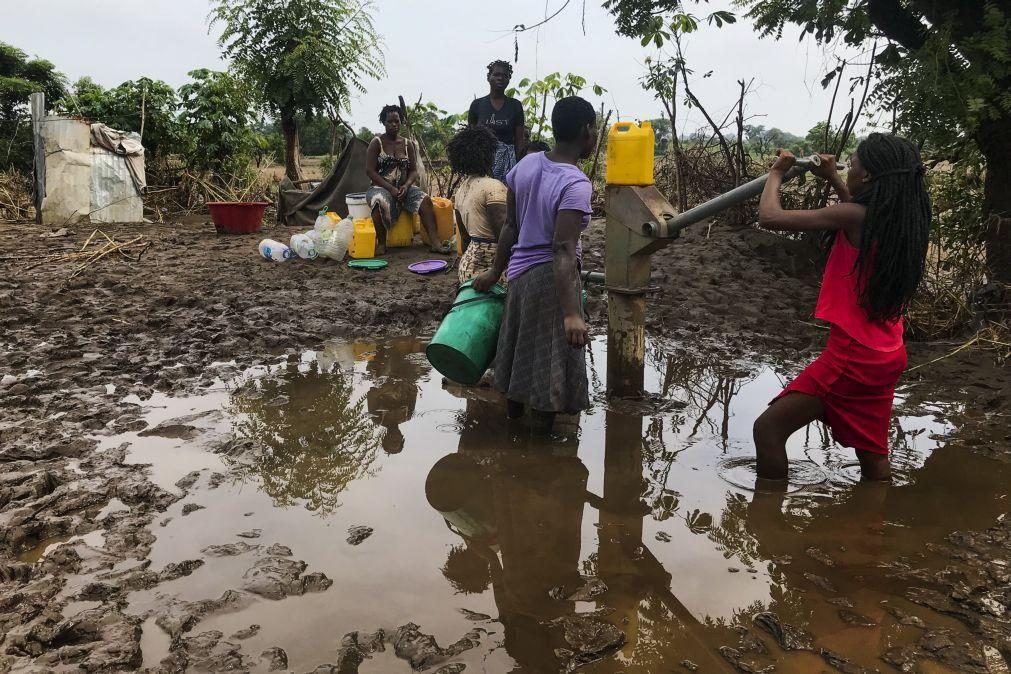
640, 221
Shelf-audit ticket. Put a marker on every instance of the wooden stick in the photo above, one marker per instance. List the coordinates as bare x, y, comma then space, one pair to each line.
102, 253
964, 346
89, 239
112, 241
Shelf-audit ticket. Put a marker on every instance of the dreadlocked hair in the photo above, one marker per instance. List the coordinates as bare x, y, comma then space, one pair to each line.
501, 64
387, 109
472, 151
893, 242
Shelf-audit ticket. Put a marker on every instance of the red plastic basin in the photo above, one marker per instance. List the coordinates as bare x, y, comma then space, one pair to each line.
238, 217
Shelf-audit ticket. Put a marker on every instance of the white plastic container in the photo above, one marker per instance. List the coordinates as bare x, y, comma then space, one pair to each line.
316, 237
303, 246
323, 221
358, 208
335, 242
275, 250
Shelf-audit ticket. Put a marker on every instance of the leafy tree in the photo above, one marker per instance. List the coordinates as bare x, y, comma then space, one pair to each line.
763, 142
534, 94
316, 135
663, 133
945, 74
85, 94
817, 135
434, 127
20, 77
146, 106
300, 57
216, 116
366, 134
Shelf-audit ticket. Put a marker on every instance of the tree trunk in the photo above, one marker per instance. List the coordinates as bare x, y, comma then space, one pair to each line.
995, 142
289, 127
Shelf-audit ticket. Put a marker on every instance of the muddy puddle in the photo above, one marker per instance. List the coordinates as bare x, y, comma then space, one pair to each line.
347, 507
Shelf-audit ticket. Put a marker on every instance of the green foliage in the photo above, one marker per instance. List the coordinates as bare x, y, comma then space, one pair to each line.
663, 134
315, 135
944, 79
21, 76
956, 257
662, 79
434, 126
215, 117
300, 56
123, 107
946, 71
956, 194
816, 140
763, 142
534, 95
326, 164
657, 21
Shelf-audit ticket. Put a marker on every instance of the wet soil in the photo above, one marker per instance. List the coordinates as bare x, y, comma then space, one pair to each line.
208, 461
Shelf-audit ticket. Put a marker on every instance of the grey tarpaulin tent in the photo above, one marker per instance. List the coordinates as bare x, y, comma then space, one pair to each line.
297, 207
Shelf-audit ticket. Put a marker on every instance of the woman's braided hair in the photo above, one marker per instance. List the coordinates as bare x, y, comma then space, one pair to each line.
501, 64
893, 242
471, 151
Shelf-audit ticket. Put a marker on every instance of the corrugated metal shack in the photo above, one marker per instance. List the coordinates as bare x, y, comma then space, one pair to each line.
85, 172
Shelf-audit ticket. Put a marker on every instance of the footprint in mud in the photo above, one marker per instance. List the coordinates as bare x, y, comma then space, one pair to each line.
741, 472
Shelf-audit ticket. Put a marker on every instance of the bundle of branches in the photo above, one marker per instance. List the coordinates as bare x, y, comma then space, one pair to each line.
696, 172
97, 247
16, 196
196, 189
956, 299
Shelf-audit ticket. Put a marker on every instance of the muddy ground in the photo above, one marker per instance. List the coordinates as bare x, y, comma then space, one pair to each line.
72, 352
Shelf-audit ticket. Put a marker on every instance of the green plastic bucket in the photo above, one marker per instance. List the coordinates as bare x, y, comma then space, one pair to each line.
464, 345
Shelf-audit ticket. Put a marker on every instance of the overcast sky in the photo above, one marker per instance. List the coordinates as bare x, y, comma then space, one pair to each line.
438, 49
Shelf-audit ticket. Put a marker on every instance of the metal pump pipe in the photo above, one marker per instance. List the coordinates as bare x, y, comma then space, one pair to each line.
733, 197
714, 206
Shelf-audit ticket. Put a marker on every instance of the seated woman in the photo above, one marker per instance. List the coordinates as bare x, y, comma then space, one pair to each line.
392, 166
480, 199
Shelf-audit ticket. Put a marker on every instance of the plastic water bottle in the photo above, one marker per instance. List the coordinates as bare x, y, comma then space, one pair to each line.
336, 240
275, 250
303, 246
342, 234
316, 237
323, 221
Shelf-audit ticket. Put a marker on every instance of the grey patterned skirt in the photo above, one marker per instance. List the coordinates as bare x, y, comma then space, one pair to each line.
535, 364
505, 159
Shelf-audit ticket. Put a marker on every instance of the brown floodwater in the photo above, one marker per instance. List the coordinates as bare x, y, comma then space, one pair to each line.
643, 514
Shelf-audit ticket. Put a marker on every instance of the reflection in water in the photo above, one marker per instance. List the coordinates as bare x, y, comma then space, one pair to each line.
394, 395
314, 436
518, 508
518, 504
645, 521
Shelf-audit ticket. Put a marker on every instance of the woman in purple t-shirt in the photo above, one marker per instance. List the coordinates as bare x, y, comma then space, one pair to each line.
541, 359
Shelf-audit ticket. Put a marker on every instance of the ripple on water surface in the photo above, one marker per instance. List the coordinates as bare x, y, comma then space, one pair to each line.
643, 514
